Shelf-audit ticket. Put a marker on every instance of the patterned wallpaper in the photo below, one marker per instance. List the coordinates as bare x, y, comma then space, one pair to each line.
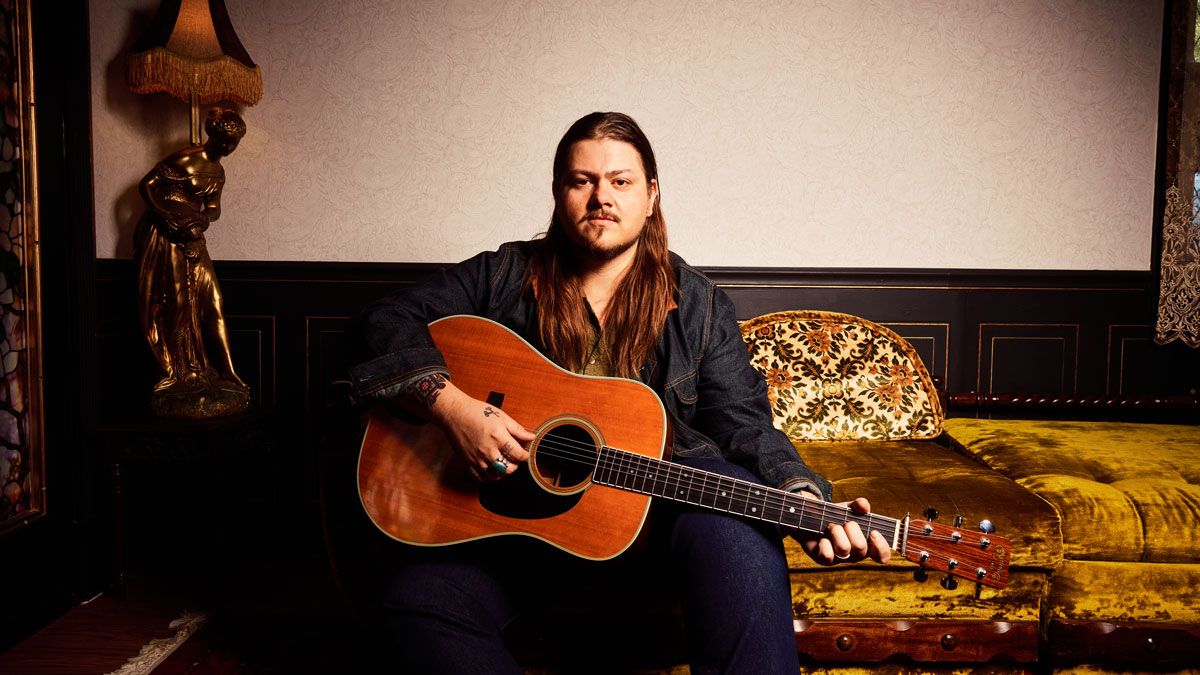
858, 133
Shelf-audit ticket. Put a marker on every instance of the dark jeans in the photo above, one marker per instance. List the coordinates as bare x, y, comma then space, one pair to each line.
446, 609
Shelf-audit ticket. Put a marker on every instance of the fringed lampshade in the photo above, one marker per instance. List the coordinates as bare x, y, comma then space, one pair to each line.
191, 51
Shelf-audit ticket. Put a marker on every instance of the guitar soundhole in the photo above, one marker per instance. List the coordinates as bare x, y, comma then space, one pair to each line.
565, 454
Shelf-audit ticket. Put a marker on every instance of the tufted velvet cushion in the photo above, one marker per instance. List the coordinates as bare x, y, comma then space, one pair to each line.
1125, 492
835, 376
1125, 592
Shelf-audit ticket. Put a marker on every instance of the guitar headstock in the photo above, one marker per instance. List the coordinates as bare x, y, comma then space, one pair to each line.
980, 556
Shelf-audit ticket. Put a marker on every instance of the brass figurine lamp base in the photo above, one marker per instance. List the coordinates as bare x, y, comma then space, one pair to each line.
202, 398
179, 299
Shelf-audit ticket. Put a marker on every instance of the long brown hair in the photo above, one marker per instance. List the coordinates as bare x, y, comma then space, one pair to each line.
644, 296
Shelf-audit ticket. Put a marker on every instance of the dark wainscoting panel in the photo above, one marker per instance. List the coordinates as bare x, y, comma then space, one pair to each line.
996, 331
1006, 350
985, 331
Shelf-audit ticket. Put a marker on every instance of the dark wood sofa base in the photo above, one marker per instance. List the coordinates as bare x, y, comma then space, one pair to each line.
919, 640
1141, 643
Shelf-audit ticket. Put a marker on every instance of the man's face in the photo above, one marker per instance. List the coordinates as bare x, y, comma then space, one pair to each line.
604, 198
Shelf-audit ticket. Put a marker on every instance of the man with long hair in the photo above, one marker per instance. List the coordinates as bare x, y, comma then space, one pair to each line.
600, 294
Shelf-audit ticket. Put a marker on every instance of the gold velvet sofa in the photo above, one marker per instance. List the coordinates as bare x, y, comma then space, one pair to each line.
1128, 587
1104, 527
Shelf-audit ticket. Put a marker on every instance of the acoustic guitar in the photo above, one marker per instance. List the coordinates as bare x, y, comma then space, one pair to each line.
596, 461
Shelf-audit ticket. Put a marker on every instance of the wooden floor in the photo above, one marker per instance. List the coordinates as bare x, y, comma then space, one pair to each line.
274, 625
261, 626
96, 637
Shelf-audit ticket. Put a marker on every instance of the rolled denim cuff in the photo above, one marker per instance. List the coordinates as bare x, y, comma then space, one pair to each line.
802, 485
379, 376
810, 483
393, 391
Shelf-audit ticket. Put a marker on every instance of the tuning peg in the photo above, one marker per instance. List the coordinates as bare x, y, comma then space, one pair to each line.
980, 573
986, 526
958, 520
931, 513
949, 583
921, 575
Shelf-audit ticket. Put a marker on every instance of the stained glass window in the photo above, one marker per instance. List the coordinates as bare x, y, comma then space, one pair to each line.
20, 443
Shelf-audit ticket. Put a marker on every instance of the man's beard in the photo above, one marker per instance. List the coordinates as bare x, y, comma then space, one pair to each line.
593, 252
590, 250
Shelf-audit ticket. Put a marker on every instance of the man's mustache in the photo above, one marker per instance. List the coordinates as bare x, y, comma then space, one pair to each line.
606, 215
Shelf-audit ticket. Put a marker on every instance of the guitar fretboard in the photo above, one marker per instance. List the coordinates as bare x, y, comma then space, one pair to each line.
651, 476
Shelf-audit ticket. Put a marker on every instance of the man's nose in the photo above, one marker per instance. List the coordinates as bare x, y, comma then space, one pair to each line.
601, 195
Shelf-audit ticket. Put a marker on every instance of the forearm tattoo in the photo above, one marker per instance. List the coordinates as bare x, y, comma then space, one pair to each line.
426, 390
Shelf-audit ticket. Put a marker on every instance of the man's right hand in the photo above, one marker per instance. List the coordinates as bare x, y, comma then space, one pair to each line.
480, 432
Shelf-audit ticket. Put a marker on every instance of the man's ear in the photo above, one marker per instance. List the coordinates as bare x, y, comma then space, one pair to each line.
653, 197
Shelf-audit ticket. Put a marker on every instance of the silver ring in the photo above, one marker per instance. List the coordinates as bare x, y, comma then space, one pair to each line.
842, 557
499, 466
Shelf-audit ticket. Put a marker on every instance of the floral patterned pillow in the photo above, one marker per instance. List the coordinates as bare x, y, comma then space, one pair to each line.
835, 376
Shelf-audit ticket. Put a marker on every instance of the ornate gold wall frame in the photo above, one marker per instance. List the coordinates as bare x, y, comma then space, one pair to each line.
1179, 271
22, 496
1178, 251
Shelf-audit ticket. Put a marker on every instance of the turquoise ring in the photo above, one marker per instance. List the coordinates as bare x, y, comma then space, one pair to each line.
499, 467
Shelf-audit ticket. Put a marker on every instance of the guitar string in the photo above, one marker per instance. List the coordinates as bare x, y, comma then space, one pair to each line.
771, 498
863, 519
586, 454
642, 467
914, 537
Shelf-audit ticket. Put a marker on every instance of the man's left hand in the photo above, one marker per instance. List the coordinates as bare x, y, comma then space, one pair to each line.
846, 543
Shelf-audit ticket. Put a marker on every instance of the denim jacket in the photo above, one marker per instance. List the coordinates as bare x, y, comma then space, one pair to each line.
716, 401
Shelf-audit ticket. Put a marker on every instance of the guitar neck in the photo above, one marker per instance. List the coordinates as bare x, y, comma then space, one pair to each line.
651, 476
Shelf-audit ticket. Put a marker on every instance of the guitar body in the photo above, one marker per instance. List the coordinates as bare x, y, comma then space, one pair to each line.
415, 488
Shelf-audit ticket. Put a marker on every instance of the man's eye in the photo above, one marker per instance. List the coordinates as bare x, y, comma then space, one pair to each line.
621, 182
581, 181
